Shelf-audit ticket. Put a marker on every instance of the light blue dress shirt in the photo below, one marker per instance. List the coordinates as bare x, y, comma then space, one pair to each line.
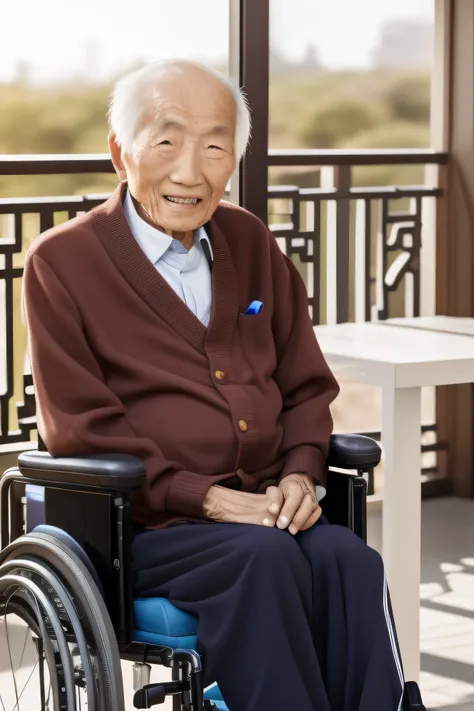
187, 272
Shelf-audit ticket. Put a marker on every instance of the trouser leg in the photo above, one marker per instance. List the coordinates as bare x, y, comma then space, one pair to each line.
251, 588
353, 629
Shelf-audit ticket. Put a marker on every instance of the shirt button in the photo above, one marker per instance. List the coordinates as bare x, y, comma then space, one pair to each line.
243, 426
220, 375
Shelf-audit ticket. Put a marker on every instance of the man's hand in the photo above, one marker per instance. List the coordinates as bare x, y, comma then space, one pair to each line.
300, 509
230, 506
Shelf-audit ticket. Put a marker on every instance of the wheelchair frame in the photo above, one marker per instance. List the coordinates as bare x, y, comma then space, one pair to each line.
88, 497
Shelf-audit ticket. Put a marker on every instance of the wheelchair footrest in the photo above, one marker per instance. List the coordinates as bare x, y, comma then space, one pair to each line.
154, 694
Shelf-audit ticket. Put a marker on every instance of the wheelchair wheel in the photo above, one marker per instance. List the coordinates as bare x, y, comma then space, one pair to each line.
60, 648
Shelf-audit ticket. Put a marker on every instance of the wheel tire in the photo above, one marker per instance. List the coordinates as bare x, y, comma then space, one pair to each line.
90, 606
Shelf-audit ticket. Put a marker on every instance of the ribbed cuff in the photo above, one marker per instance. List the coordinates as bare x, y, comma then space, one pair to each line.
187, 492
305, 459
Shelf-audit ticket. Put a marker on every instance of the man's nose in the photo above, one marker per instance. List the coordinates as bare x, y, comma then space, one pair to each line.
187, 167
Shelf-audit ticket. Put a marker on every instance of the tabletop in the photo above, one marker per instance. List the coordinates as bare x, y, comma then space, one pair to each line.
447, 324
381, 353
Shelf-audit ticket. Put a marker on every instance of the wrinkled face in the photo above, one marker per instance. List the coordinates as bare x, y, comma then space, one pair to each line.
184, 151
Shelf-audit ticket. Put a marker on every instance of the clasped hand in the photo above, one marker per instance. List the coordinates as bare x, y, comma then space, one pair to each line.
292, 505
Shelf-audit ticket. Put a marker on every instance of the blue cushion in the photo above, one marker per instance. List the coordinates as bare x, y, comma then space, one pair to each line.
157, 621
214, 693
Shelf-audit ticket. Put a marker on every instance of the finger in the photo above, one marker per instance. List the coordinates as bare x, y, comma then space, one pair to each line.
275, 499
306, 509
314, 518
293, 500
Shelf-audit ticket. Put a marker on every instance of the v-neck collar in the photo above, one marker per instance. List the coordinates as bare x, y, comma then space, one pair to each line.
122, 247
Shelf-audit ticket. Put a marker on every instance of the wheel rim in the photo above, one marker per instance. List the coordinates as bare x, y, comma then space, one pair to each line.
31, 589
50, 695
94, 627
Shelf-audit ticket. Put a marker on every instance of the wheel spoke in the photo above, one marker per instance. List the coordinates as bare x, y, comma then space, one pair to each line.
1, 702
39, 649
41, 672
25, 685
24, 646
7, 635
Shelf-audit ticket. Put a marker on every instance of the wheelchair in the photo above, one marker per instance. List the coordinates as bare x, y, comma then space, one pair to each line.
65, 574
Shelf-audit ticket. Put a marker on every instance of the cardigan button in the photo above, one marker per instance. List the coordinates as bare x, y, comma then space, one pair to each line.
243, 426
220, 375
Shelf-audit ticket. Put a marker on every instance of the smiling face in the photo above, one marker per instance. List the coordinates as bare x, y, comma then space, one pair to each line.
184, 150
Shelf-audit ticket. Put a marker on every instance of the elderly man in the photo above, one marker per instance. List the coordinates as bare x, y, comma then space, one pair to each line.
168, 325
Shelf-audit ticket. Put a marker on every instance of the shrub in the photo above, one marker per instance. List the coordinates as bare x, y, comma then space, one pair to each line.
393, 135
408, 99
326, 126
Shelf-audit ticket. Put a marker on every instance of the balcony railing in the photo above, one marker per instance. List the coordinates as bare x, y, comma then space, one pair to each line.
358, 248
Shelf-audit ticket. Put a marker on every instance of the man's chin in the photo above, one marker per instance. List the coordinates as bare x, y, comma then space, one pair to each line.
185, 224
182, 227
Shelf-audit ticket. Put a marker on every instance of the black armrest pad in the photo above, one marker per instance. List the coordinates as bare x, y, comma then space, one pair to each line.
120, 472
352, 451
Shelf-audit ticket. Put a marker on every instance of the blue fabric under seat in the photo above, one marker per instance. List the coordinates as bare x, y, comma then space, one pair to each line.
157, 621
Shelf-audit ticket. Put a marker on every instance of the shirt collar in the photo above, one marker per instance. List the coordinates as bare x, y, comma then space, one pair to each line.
154, 242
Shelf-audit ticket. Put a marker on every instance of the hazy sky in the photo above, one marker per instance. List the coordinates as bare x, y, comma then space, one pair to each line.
52, 35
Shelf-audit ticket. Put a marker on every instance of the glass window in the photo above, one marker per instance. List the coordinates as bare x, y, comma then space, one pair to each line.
350, 74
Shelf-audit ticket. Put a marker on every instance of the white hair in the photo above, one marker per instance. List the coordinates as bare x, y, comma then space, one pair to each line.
133, 93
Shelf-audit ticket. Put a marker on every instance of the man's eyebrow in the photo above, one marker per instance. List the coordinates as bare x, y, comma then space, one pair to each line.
219, 130
165, 124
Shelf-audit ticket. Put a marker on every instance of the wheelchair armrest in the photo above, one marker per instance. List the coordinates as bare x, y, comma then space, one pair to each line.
345, 503
119, 472
353, 451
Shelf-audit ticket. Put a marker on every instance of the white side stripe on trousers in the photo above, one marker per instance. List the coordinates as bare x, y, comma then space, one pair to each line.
391, 634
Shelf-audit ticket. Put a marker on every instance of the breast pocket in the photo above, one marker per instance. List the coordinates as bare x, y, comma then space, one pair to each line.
256, 334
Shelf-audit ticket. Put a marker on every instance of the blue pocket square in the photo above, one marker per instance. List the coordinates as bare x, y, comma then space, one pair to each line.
253, 309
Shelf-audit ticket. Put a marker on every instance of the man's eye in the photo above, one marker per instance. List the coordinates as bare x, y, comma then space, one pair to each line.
165, 143
217, 148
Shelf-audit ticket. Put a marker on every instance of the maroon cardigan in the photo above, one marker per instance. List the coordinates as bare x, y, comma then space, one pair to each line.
120, 364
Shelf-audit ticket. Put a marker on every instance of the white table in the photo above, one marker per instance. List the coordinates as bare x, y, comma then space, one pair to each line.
459, 325
401, 360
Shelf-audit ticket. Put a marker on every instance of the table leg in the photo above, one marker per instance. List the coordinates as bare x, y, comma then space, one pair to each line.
401, 434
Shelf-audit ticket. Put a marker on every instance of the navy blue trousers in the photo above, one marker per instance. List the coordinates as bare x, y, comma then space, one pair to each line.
285, 623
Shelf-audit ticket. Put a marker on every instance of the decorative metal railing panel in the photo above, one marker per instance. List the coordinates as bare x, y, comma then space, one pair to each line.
357, 248
21, 220
357, 244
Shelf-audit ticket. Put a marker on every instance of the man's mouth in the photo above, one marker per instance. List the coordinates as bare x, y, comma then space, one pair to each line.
182, 201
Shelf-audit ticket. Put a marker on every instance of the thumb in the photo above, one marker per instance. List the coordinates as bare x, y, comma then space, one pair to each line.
275, 499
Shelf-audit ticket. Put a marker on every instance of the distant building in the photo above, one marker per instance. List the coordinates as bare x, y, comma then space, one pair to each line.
23, 73
403, 44
90, 70
311, 60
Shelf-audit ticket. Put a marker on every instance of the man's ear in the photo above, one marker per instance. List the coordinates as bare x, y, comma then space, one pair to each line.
116, 155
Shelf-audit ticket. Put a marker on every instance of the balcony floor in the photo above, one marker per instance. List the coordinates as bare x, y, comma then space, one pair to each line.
447, 610
447, 602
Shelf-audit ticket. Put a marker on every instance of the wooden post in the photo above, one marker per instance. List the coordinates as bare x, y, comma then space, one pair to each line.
254, 77
455, 224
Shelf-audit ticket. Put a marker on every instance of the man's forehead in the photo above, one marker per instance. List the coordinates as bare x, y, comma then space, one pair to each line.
175, 117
